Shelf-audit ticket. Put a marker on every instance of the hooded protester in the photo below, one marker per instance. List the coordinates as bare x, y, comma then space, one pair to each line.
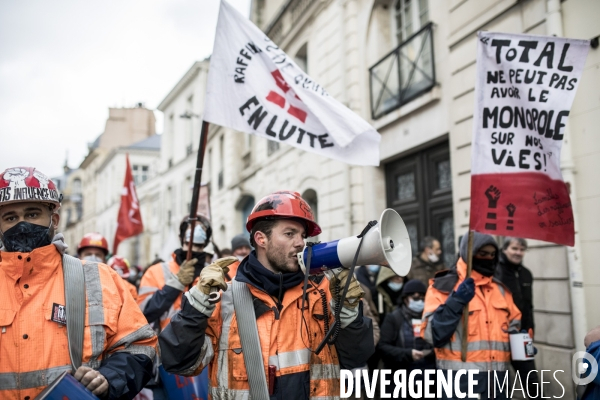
389, 286
519, 280
115, 359
492, 315
400, 344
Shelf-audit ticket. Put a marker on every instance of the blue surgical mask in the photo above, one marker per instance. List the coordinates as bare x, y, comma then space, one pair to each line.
373, 268
416, 305
395, 286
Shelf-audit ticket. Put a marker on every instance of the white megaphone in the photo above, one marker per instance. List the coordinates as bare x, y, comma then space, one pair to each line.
387, 243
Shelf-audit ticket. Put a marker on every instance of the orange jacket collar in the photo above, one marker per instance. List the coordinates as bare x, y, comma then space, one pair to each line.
42, 262
480, 280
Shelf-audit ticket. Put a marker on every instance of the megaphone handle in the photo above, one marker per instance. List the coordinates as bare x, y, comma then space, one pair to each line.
328, 335
331, 336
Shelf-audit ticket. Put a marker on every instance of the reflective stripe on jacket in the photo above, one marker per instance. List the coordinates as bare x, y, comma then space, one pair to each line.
34, 348
285, 339
492, 313
154, 279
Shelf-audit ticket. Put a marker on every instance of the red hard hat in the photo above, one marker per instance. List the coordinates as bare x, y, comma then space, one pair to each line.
120, 265
284, 204
93, 240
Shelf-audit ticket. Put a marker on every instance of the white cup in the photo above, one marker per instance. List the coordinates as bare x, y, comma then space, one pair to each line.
521, 347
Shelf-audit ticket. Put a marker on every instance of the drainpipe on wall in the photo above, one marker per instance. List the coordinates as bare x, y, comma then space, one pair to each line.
347, 179
554, 27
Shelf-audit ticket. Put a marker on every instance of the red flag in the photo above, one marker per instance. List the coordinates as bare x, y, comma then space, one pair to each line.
129, 221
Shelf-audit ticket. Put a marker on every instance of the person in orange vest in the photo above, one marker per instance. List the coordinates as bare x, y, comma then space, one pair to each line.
118, 344
290, 325
122, 267
93, 247
161, 287
492, 315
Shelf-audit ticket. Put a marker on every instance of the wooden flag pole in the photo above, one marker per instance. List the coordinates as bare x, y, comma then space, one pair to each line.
197, 179
465, 332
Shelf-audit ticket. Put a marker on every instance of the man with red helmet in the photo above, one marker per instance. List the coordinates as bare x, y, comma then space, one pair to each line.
205, 334
118, 345
122, 267
93, 247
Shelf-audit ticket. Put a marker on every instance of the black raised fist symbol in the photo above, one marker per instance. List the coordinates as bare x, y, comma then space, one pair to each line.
493, 194
511, 209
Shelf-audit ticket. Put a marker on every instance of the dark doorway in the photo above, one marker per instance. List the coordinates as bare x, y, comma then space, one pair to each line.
419, 187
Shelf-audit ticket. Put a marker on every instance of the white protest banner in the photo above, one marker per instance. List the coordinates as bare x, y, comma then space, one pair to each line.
254, 87
525, 88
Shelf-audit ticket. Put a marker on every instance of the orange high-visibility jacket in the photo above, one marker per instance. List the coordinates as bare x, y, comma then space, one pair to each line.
132, 289
34, 349
492, 313
155, 279
285, 340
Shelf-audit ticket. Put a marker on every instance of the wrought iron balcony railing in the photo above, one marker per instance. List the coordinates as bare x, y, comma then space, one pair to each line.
403, 74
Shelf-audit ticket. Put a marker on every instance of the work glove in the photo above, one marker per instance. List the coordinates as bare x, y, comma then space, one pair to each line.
355, 292
210, 276
214, 275
465, 291
186, 271
93, 380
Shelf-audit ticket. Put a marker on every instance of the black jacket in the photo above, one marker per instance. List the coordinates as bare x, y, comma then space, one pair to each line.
519, 281
395, 350
364, 276
181, 340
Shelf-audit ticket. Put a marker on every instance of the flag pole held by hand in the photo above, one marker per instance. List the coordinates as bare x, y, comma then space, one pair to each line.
465, 331
197, 179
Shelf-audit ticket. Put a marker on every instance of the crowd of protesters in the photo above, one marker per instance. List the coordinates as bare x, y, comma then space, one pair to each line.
384, 321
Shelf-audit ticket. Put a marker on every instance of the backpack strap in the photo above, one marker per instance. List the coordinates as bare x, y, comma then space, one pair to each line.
248, 331
75, 307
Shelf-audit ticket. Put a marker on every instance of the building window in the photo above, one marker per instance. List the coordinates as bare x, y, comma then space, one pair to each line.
245, 205
221, 178
410, 16
272, 147
408, 71
301, 58
311, 198
419, 187
189, 134
140, 173
406, 186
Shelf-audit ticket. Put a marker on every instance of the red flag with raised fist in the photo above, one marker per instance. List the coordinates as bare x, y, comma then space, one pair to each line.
129, 221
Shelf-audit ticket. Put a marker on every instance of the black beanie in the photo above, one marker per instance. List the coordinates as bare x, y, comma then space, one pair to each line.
239, 241
413, 286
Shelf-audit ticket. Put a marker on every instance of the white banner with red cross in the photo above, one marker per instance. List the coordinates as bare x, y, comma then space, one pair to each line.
254, 87
523, 95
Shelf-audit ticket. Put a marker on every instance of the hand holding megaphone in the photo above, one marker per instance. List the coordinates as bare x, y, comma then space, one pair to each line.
337, 280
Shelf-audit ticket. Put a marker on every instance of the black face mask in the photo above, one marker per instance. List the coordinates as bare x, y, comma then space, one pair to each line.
25, 237
484, 267
181, 255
